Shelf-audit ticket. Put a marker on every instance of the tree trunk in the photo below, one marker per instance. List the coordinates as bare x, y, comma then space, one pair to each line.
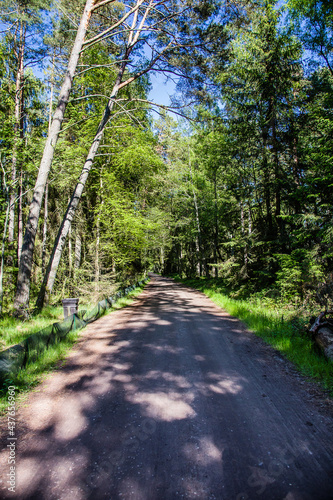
276, 175
97, 268
70, 257
216, 232
198, 237
24, 276
267, 191
77, 251
18, 132
46, 199
20, 220
52, 268
3, 253
50, 275
46, 194
98, 226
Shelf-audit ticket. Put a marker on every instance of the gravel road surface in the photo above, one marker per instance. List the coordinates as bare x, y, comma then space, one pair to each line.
172, 398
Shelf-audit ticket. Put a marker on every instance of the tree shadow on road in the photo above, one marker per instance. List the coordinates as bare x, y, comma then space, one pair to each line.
177, 401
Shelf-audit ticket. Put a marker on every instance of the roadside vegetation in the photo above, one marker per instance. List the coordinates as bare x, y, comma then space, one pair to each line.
281, 325
95, 189
55, 356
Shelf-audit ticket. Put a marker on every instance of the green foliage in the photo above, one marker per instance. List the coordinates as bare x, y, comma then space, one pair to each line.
314, 20
245, 193
296, 271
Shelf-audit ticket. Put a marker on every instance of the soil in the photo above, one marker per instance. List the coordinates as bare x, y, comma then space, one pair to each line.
171, 398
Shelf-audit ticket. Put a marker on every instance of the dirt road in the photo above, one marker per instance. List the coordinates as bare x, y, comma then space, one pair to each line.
172, 398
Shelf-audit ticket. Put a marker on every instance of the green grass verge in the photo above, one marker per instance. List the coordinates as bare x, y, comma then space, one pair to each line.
53, 357
13, 331
279, 326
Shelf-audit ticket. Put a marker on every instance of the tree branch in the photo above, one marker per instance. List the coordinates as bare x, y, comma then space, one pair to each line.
144, 71
97, 38
101, 4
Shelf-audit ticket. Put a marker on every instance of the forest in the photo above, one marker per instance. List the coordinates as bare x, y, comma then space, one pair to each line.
232, 181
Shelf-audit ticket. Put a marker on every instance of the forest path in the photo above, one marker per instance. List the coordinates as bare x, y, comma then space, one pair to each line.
172, 398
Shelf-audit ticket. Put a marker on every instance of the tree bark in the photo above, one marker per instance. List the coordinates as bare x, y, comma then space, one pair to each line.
134, 33
216, 232
18, 130
20, 220
70, 257
46, 200
46, 194
98, 227
24, 276
267, 190
50, 275
198, 238
3, 246
77, 251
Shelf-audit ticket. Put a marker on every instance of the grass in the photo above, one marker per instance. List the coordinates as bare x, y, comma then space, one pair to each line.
50, 359
280, 326
13, 331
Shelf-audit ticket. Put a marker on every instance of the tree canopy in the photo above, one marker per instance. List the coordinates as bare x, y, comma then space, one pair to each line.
99, 185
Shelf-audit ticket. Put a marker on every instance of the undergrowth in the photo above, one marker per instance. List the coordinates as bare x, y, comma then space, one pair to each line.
50, 359
281, 326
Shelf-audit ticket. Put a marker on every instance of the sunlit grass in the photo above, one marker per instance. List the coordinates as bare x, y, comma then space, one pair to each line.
13, 331
279, 326
54, 356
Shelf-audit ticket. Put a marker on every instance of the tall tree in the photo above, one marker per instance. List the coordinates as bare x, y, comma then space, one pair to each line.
24, 25
24, 276
154, 26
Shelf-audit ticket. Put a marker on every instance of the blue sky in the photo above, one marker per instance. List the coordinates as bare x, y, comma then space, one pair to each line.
161, 89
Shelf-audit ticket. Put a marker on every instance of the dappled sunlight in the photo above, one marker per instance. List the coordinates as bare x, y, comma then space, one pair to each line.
121, 344
204, 452
178, 380
121, 366
196, 488
29, 471
223, 384
198, 357
70, 420
293, 496
130, 387
163, 322
102, 385
165, 406
63, 472
43, 407
160, 408
122, 377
